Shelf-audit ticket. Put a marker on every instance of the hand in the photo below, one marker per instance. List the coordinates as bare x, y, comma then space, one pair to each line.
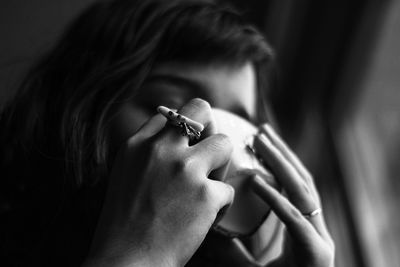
307, 241
160, 203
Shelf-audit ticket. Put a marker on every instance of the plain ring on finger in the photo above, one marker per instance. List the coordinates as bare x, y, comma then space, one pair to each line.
189, 127
312, 213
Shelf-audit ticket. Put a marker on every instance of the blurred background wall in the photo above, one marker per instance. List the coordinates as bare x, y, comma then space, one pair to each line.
337, 101
27, 30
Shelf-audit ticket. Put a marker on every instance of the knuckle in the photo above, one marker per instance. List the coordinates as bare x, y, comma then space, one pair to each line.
207, 196
183, 165
205, 192
309, 178
304, 187
295, 214
221, 142
224, 140
231, 192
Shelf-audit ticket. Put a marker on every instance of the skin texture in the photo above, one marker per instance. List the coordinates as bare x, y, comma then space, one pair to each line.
160, 203
163, 213
172, 85
159, 183
307, 240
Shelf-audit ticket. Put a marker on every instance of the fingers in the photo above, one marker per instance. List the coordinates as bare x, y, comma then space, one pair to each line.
285, 150
213, 153
290, 156
221, 193
297, 189
151, 127
301, 193
168, 113
198, 111
298, 227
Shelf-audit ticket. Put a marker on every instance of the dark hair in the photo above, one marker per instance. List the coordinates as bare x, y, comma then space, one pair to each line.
62, 108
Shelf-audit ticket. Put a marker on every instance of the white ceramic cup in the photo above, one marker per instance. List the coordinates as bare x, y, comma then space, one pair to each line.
247, 211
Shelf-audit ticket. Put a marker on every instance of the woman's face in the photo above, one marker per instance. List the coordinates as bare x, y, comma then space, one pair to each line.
172, 85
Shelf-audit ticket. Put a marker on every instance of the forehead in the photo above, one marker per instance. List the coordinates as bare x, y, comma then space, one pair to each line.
224, 86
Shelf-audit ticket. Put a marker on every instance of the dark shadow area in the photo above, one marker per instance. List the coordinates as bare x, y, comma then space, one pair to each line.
325, 57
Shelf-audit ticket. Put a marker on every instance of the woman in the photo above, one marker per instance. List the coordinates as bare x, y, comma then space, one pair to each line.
92, 175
